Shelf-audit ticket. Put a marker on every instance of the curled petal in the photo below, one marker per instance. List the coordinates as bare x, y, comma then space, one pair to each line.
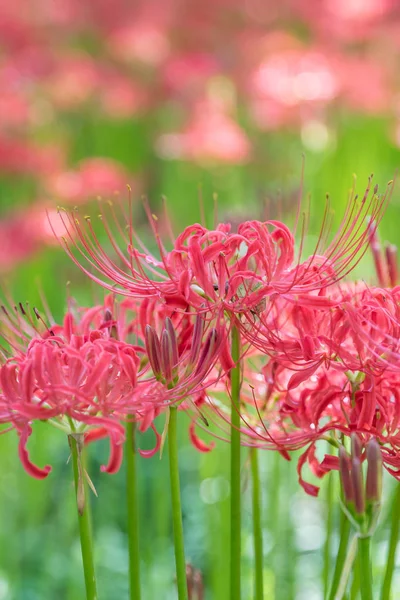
225, 356
301, 376
153, 451
309, 488
330, 463
95, 434
29, 467
116, 456
197, 442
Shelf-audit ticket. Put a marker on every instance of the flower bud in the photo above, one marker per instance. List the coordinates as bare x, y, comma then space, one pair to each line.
153, 350
356, 446
374, 472
166, 355
198, 331
198, 585
391, 261
207, 354
111, 326
358, 485
174, 344
345, 475
189, 581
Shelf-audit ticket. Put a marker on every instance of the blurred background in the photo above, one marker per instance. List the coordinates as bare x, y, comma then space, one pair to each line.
184, 100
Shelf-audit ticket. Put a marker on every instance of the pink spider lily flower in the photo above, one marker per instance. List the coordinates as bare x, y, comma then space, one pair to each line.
181, 367
75, 385
233, 272
331, 404
79, 372
356, 329
286, 410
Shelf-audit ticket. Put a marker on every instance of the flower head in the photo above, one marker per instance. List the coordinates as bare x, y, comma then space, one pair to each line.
227, 271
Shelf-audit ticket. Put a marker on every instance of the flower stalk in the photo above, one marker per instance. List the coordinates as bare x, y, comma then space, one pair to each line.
341, 556
364, 544
132, 511
257, 526
235, 578
394, 537
85, 528
176, 505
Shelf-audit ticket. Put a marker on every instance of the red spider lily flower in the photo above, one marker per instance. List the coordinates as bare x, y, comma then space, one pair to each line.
333, 403
286, 410
77, 375
234, 272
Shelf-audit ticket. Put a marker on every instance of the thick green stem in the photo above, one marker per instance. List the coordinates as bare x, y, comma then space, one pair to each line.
235, 592
347, 566
84, 519
257, 527
355, 584
364, 544
341, 555
176, 505
132, 512
329, 527
394, 536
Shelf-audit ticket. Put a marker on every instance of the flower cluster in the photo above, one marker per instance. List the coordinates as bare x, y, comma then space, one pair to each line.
318, 356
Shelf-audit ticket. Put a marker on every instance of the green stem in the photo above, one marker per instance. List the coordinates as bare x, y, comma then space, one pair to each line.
347, 566
355, 584
364, 544
85, 528
176, 505
341, 555
329, 527
132, 512
257, 527
394, 536
235, 592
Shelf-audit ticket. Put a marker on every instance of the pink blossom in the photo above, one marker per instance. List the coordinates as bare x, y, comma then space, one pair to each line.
93, 177
88, 379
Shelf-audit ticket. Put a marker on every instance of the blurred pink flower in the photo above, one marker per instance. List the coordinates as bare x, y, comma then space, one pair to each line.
93, 177
293, 77
73, 82
210, 136
24, 232
21, 156
188, 72
15, 109
122, 97
144, 42
346, 19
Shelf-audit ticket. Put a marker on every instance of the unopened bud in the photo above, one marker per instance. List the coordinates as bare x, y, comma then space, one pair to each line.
356, 446
153, 350
377, 254
207, 354
166, 355
391, 261
198, 331
345, 476
174, 344
358, 485
189, 581
198, 585
374, 472
195, 584
112, 328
